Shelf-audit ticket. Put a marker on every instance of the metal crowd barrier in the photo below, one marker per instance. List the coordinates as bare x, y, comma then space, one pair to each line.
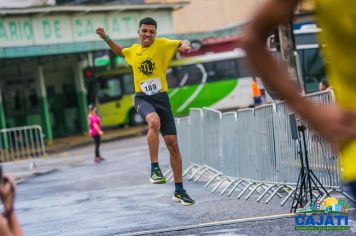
197, 133
286, 148
190, 134
246, 144
212, 137
184, 140
228, 163
252, 150
323, 159
265, 143
21, 143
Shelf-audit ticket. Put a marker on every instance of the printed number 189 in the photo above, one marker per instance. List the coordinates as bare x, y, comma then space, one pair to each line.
151, 87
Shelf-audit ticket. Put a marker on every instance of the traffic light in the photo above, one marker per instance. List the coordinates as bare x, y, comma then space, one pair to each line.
88, 73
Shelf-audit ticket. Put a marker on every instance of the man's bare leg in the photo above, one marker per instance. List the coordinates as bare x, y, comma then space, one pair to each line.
154, 125
180, 195
174, 156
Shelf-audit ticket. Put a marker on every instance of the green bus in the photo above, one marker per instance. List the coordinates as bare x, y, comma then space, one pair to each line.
218, 80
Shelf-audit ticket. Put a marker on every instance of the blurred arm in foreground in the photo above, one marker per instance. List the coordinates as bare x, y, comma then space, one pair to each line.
333, 123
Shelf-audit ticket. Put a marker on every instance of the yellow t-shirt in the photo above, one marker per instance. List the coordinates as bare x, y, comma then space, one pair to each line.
337, 18
151, 62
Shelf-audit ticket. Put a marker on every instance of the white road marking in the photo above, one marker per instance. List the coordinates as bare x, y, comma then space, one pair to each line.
215, 223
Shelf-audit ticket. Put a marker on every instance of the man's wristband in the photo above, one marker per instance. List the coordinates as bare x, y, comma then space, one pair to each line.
107, 38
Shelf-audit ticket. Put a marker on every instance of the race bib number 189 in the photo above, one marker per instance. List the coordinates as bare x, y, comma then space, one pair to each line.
151, 86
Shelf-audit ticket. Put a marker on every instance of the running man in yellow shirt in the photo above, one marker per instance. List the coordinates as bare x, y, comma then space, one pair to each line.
337, 21
149, 61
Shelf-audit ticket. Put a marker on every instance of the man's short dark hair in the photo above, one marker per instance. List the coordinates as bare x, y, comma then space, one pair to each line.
147, 21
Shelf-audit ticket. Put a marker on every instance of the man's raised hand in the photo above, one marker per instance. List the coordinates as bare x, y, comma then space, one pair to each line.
185, 46
101, 32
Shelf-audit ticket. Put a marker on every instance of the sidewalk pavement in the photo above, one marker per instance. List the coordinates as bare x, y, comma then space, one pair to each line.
24, 169
80, 140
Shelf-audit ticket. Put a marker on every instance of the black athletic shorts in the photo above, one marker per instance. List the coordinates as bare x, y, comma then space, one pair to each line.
158, 103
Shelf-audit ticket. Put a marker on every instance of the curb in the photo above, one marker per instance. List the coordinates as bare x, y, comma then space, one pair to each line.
21, 178
59, 148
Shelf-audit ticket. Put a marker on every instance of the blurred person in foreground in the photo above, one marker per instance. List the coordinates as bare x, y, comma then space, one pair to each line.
149, 60
337, 124
9, 225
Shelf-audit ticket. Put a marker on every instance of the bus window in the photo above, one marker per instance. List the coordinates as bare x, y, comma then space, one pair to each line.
191, 74
313, 69
128, 81
109, 89
225, 70
305, 38
244, 69
210, 70
172, 78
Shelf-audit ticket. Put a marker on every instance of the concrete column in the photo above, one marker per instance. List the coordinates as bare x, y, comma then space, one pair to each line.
2, 113
81, 92
42, 97
3, 137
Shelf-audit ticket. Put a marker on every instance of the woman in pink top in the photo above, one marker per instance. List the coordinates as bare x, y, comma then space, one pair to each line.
95, 131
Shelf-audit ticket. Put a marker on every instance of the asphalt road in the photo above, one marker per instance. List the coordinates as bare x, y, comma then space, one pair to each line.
79, 197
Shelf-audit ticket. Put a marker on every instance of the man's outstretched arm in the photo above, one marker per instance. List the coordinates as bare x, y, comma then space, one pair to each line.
332, 123
116, 48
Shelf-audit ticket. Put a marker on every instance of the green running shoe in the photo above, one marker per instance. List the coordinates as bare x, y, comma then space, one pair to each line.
157, 177
183, 198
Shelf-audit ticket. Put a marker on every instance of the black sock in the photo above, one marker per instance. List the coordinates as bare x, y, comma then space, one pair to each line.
154, 166
179, 186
